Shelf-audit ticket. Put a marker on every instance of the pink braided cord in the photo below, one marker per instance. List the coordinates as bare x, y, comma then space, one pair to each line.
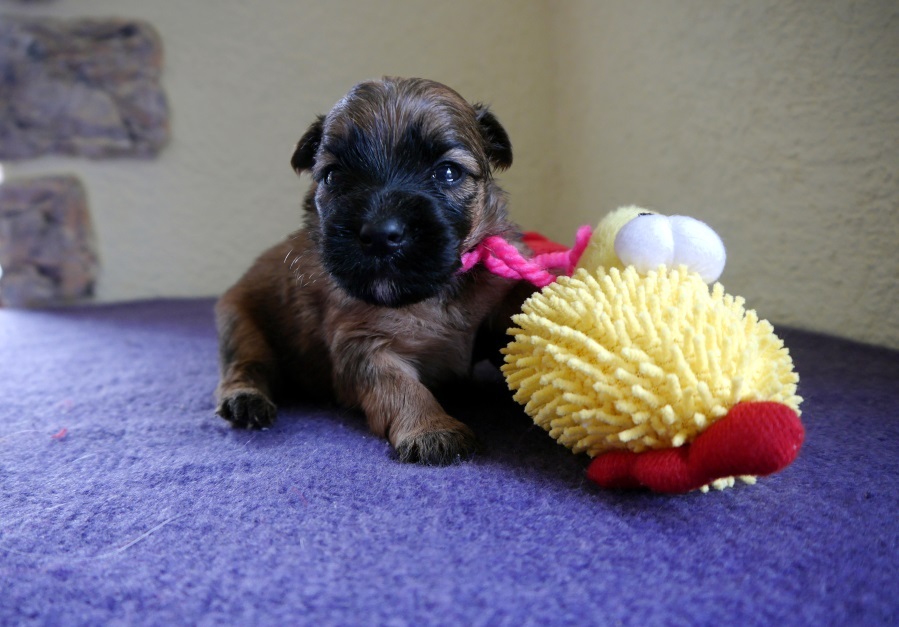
503, 259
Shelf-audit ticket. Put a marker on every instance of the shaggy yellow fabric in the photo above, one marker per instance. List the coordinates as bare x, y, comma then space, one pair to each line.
619, 360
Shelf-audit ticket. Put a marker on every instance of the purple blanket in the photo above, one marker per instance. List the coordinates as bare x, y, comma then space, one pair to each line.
123, 499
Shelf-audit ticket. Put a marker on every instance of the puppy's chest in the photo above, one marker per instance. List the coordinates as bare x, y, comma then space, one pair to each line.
440, 346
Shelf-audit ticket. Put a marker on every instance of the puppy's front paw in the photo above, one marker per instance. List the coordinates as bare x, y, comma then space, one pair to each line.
247, 409
437, 448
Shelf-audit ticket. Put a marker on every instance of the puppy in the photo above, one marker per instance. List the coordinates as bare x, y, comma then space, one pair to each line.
367, 305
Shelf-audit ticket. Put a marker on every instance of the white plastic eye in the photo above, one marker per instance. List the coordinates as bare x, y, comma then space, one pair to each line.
698, 247
648, 241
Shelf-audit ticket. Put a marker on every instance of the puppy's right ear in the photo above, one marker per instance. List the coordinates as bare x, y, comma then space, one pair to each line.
304, 156
496, 140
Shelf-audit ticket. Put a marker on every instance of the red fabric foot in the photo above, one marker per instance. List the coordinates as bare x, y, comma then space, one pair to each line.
614, 470
755, 438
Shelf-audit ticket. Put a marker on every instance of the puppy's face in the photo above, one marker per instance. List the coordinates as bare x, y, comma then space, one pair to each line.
402, 170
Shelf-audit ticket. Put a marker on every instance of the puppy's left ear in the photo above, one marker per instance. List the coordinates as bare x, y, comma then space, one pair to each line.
304, 155
496, 140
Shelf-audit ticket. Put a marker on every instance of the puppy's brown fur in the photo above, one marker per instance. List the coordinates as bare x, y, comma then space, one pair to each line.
378, 325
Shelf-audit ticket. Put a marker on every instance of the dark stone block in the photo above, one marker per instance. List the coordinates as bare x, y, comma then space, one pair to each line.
81, 87
47, 251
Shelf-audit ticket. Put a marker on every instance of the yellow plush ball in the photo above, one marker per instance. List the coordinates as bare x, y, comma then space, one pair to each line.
619, 360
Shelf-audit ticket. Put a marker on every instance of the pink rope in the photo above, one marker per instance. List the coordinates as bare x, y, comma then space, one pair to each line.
503, 259
567, 259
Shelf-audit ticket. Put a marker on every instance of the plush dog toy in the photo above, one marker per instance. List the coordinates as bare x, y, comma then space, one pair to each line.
667, 384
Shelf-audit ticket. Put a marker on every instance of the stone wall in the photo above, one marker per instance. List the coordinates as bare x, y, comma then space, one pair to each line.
47, 251
80, 87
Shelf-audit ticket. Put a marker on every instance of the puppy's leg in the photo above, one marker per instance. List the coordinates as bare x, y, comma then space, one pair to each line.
248, 370
399, 407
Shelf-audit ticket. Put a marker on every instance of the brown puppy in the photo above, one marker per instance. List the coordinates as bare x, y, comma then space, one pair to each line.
366, 304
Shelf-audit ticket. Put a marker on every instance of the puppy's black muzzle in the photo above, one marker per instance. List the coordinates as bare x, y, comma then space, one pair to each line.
394, 247
381, 237
393, 222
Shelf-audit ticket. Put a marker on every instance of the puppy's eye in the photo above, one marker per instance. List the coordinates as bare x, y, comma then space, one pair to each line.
331, 177
448, 174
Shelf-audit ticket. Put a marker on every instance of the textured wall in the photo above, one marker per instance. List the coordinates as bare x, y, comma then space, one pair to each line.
84, 87
244, 80
47, 250
777, 122
774, 121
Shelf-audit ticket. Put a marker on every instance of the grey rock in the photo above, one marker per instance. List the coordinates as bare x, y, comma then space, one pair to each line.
47, 247
84, 87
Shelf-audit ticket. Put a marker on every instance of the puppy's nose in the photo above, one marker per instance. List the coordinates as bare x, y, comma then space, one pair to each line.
382, 237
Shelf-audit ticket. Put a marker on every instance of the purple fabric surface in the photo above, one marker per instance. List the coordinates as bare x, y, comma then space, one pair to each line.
123, 499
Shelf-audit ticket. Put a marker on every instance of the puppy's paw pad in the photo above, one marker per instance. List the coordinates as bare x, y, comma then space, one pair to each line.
247, 410
437, 448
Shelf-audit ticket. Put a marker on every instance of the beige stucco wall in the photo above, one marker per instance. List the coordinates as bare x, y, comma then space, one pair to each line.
776, 122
